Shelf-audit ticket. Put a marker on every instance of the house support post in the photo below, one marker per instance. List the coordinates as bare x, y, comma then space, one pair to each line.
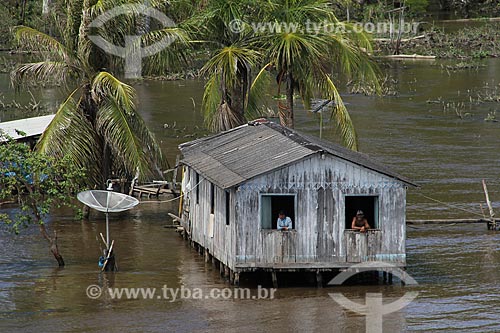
275, 279
237, 279
221, 269
319, 279
207, 255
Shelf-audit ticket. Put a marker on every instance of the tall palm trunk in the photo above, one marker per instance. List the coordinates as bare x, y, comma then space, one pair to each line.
74, 10
239, 93
45, 7
84, 45
106, 168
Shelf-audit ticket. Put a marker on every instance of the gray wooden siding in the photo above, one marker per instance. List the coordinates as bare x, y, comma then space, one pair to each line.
221, 245
319, 236
320, 185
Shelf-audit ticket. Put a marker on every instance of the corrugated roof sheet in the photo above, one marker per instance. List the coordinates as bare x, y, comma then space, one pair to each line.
232, 157
30, 126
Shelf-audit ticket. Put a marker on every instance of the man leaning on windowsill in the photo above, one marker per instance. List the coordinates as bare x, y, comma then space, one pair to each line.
284, 222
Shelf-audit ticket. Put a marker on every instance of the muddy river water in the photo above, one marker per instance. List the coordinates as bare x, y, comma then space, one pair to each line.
434, 132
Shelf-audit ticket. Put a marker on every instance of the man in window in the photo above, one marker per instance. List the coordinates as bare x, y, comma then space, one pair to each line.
359, 222
284, 222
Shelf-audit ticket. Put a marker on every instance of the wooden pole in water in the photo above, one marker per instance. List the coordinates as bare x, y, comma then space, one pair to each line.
274, 277
173, 187
492, 213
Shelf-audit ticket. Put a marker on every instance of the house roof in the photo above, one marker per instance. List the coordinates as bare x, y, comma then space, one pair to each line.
232, 157
25, 128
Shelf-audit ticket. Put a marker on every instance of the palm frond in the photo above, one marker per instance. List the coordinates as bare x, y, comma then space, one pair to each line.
36, 41
351, 49
258, 92
71, 135
132, 144
54, 72
211, 101
122, 127
166, 49
339, 116
225, 99
217, 112
105, 86
228, 62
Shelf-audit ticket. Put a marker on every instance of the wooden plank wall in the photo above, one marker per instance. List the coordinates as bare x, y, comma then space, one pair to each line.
320, 184
221, 245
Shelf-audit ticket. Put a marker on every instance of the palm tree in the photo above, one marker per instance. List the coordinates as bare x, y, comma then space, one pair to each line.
227, 100
303, 59
97, 125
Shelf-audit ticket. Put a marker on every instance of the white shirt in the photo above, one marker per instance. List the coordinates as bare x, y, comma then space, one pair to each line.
284, 223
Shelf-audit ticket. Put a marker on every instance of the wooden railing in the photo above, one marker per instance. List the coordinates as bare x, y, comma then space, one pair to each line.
362, 246
278, 246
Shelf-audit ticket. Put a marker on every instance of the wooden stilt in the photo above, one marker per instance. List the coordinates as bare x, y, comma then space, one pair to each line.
237, 279
207, 255
221, 269
231, 276
227, 271
319, 279
275, 279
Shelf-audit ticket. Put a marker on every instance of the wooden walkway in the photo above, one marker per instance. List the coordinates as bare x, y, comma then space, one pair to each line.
154, 190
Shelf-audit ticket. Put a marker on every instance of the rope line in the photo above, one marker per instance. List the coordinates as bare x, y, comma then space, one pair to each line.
423, 195
451, 205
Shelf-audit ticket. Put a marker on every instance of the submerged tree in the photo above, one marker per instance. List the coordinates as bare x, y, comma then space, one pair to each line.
97, 127
37, 183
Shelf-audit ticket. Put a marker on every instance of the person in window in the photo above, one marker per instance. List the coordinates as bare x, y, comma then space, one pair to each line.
359, 222
284, 222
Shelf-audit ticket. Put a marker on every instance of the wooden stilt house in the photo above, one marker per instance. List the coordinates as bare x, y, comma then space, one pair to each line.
237, 181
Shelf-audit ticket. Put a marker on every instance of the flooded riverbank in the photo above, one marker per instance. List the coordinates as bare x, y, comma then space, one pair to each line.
456, 266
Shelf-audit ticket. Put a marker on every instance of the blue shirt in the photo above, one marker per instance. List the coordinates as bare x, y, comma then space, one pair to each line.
284, 223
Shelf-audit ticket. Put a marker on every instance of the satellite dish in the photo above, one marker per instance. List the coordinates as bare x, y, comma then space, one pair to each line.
107, 202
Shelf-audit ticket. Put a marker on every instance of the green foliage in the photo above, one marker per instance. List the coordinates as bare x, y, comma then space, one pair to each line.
473, 42
97, 127
305, 60
7, 22
244, 60
37, 182
417, 6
